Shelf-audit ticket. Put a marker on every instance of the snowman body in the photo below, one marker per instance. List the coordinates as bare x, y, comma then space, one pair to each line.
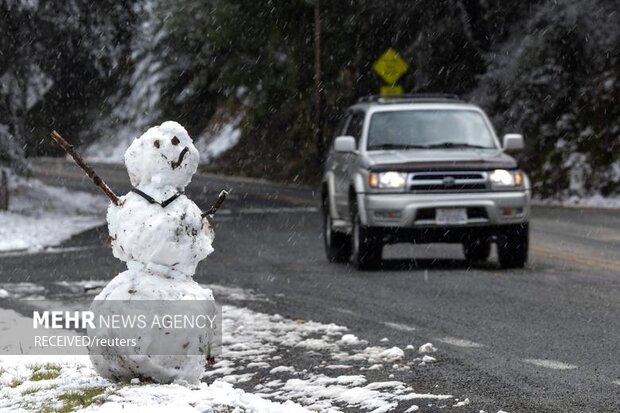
162, 236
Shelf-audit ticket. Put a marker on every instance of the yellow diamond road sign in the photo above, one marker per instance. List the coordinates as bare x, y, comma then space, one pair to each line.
390, 66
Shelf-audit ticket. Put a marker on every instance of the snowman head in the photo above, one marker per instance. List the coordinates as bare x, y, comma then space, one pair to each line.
163, 157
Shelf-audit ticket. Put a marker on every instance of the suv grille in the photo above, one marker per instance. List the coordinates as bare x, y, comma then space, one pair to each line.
448, 181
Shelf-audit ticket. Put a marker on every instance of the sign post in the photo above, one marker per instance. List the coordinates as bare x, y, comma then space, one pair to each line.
390, 66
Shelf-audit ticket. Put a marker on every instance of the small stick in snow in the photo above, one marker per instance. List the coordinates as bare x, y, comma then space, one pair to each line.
217, 204
85, 167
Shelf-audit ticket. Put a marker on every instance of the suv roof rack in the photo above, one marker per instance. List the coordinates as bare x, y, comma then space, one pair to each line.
412, 97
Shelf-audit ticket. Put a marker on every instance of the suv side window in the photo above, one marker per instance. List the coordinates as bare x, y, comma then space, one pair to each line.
339, 131
356, 125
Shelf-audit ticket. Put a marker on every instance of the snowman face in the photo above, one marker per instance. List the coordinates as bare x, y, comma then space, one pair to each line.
163, 156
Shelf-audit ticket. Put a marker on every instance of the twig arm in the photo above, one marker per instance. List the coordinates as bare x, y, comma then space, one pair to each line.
217, 205
85, 167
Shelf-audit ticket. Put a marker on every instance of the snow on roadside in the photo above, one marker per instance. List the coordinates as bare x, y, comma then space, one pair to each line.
219, 396
269, 363
22, 290
593, 201
62, 382
41, 215
427, 348
284, 359
235, 293
69, 383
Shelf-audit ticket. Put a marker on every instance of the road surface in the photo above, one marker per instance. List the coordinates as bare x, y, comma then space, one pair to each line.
542, 339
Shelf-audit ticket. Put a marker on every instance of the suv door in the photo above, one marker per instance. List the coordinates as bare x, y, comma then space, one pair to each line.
334, 163
346, 163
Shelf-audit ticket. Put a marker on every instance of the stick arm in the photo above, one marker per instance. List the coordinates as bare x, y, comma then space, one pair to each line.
68, 148
217, 205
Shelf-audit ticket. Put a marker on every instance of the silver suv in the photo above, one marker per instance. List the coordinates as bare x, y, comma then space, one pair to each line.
423, 169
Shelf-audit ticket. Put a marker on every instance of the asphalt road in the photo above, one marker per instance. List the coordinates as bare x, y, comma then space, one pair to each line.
542, 339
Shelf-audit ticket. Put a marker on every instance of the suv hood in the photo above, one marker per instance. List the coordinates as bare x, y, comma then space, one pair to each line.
439, 159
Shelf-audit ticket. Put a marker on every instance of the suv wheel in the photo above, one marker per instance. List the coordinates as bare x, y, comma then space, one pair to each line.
366, 247
337, 244
512, 246
477, 250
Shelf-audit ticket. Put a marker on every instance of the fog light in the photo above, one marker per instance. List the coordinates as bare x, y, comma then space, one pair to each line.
388, 214
508, 212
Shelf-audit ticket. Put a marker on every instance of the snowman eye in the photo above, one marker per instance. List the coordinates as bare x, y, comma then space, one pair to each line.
156, 143
175, 141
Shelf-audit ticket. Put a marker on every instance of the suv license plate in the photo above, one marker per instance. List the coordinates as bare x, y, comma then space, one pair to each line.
451, 216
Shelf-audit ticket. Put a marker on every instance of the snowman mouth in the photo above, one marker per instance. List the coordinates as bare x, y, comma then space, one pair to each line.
177, 163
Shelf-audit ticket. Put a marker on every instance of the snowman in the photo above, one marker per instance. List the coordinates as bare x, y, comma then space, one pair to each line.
161, 235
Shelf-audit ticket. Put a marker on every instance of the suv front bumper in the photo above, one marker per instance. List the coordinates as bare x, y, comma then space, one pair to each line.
418, 210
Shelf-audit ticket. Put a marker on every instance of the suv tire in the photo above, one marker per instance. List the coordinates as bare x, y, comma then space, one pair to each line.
512, 246
337, 244
366, 247
476, 250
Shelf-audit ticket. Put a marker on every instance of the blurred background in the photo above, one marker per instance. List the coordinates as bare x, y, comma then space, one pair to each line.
239, 75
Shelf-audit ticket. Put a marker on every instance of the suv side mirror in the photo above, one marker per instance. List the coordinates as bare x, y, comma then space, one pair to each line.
513, 142
345, 144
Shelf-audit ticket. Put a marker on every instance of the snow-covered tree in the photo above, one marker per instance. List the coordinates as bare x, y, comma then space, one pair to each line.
55, 57
555, 81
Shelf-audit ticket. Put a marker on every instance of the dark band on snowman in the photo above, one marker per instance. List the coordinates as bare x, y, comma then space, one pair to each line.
152, 200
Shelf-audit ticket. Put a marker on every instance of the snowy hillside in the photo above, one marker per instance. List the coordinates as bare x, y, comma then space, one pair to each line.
139, 99
545, 69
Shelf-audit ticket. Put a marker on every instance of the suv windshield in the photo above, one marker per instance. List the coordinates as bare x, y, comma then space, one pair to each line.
426, 129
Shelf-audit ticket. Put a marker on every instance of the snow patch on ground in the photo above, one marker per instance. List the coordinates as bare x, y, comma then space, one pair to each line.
428, 359
400, 327
23, 290
338, 367
551, 364
252, 343
41, 215
351, 340
372, 355
56, 382
90, 287
462, 403
458, 342
427, 348
235, 293
218, 396
282, 369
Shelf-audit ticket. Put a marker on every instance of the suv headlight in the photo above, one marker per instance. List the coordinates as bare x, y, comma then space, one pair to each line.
387, 180
501, 179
